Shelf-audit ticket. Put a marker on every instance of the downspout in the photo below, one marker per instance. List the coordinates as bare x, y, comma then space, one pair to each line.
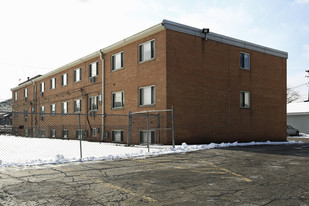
34, 106
103, 96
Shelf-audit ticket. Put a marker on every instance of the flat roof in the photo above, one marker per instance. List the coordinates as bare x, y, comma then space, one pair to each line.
165, 24
301, 108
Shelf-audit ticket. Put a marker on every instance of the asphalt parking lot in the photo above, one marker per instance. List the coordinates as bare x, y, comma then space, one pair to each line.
254, 175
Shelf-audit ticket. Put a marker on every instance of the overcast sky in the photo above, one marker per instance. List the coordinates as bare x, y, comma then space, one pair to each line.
37, 36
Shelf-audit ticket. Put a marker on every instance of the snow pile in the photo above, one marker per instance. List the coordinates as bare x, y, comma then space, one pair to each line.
21, 151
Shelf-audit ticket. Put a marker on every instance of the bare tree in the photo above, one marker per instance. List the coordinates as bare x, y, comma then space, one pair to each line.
292, 95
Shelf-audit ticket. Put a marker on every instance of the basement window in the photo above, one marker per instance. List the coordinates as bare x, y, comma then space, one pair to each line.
144, 135
117, 136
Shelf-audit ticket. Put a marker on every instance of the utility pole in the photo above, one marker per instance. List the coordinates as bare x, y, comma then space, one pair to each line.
308, 83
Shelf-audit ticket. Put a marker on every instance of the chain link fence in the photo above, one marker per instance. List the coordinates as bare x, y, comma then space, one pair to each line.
139, 128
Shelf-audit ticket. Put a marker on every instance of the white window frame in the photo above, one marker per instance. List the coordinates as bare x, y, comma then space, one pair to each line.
65, 134
151, 140
244, 60
65, 107
53, 133
93, 106
245, 100
64, 79
95, 132
42, 111
53, 108
42, 87
81, 134
26, 114
53, 83
77, 73
26, 93
149, 102
143, 53
114, 132
75, 105
42, 133
116, 96
117, 61
15, 96
93, 69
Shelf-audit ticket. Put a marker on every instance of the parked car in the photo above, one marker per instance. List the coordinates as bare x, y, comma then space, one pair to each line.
291, 131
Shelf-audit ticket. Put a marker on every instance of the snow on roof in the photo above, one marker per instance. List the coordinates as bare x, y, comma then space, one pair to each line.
298, 108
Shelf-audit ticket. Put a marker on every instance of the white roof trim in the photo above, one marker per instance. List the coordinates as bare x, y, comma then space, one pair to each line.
157, 28
223, 39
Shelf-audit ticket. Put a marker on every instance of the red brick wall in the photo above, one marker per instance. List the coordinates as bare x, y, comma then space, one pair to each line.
199, 75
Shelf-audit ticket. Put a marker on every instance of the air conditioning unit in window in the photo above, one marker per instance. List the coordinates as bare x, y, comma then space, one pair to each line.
92, 79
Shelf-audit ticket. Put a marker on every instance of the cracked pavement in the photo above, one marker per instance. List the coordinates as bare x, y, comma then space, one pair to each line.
254, 175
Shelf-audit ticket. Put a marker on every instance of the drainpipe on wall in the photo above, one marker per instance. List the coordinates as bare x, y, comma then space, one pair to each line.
103, 96
34, 106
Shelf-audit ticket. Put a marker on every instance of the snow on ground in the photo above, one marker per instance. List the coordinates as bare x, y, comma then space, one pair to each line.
22, 151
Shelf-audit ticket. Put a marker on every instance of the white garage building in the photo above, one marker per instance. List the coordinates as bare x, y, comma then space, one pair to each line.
298, 116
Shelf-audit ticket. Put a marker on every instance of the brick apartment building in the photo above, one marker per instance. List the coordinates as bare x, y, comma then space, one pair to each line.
222, 89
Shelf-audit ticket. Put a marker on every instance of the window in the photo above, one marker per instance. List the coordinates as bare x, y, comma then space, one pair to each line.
26, 93
118, 100
93, 103
77, 105
147, 95
65, 133
27, 132
42, 112
244, 60
42, 133
143, 135
95, 132
146, 51
26, 114
93, 69
53, 83
81, 134
244, 99
77, 75
42, 87
53, 108
117, 135
15, 96
15, 115
53, 133
117, 61
64, 79
64, 107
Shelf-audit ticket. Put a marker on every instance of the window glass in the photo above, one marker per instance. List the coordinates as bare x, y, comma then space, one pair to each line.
118, 100
77, 105
146, 51
93, 103
245, 99
147, 95
244, 60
